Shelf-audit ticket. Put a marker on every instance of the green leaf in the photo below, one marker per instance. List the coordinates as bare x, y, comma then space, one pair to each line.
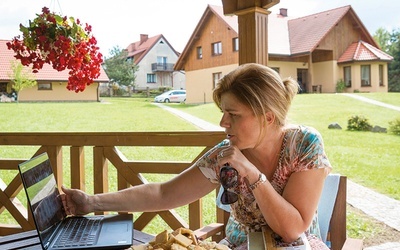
59, 19
23, 29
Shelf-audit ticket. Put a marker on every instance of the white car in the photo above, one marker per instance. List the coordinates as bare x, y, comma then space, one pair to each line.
171, 96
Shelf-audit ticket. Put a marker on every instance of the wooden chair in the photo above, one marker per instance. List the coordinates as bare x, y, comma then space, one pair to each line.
337, 227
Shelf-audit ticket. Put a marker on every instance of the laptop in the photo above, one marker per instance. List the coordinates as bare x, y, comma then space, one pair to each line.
56, 230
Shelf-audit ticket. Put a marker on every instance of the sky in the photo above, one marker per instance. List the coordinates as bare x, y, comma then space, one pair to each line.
120, 22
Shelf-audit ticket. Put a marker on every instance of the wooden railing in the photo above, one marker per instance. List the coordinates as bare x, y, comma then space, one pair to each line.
105, 150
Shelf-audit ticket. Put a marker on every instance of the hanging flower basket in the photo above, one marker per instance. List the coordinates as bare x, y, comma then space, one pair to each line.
61, 42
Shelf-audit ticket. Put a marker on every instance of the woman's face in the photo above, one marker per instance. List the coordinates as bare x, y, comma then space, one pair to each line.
239, 121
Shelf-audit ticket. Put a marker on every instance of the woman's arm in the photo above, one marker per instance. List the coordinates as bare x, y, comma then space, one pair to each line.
290, 215
185, 188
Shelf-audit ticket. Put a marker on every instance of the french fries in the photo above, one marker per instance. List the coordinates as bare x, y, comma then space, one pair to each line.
180, 239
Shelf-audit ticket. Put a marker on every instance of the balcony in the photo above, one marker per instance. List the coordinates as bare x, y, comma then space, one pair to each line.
105, 149
162, 67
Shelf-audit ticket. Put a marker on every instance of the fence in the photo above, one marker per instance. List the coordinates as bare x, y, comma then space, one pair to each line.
105, 147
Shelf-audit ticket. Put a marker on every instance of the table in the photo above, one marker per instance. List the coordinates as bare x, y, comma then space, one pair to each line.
30, 240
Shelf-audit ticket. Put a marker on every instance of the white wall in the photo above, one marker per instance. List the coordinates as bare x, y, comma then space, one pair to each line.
163, 78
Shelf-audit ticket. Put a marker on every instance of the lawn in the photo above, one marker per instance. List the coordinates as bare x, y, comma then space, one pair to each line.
371, 159
116, 114
389, 98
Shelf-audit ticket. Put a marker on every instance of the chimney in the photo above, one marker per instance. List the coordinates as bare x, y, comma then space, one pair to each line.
143, 38
283, 12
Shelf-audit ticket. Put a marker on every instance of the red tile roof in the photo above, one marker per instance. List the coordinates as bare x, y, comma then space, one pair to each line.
46, 73
288, 36
306, 32
140, 48
362, 51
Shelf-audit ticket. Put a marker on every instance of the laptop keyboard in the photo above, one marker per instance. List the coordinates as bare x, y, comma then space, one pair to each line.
79, 232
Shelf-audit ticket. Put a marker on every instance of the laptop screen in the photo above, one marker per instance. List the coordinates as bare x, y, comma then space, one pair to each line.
43, 195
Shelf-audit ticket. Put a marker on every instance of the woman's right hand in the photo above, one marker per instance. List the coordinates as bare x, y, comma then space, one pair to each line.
76, 202
233, 156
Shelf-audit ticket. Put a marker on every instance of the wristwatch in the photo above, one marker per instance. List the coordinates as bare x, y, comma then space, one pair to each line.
261, 179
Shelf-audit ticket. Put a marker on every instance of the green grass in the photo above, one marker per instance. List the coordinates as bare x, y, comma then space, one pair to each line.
370, 159
389, 98
116, 114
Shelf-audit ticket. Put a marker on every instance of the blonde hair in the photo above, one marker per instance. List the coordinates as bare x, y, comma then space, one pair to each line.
260, 88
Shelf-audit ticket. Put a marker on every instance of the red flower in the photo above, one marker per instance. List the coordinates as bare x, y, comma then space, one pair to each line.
63, 43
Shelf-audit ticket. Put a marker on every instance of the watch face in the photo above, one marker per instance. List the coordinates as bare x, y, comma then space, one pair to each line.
263, 178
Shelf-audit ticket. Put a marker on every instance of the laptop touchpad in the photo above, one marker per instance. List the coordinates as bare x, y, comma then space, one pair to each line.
116, 228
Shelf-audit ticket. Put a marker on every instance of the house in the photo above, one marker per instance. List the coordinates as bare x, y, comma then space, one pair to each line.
155, 58
318, 51
51, 84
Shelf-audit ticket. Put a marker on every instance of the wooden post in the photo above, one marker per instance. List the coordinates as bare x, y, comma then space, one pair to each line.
55, 156
77, 167
253, 28
100, 172
253, 36
310, 79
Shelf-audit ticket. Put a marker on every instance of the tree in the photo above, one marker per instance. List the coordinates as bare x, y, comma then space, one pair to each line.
119, 68
390, 43
394, 66
382, 37
21, 77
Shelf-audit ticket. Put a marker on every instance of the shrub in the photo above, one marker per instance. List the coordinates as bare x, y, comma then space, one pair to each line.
340, 86
163, 89
394, 126
358, 123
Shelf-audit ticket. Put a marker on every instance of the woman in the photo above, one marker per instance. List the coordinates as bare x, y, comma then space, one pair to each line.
280, 169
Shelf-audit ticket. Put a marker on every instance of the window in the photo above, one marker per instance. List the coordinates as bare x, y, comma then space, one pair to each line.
365, 75
276, 69
3, 87
235, 44
45, 86
347, 76
162, 60
151, 78
216, 77
199, 52
216, 48
381, 75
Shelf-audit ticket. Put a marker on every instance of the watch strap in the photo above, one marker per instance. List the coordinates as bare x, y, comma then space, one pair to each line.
261, 179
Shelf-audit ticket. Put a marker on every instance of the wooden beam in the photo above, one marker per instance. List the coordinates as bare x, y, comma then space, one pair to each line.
230, 7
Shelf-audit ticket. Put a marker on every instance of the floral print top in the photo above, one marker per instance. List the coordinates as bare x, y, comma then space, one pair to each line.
302, 150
